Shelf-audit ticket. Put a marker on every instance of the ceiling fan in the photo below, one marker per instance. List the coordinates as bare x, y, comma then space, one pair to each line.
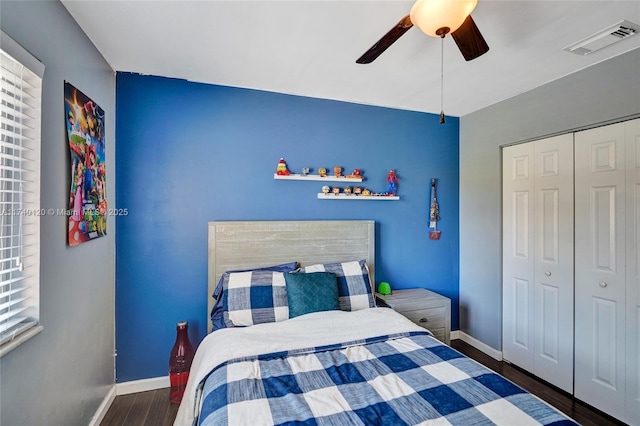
436, 18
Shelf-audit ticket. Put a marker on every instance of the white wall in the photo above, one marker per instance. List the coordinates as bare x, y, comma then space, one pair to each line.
61, 376
605, 92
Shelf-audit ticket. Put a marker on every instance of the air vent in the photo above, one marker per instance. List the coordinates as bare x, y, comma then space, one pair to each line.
604, 38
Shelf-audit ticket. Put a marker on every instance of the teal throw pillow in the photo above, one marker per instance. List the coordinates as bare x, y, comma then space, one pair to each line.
312, 292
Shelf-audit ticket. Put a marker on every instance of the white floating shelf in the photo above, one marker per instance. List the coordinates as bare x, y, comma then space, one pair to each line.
317, 177
324, 196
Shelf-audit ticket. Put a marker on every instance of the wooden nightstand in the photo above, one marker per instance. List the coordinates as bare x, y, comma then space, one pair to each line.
424, 307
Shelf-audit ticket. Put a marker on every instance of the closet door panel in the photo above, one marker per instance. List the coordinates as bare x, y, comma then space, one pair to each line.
603, 228
538, 258
632, 137
553, 265
518, 254
550, 318
600, 268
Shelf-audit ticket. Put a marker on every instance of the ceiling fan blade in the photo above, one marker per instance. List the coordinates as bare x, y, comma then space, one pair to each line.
387, 40
469, 40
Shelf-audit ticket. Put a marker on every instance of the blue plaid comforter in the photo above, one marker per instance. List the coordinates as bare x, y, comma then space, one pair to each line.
407, 378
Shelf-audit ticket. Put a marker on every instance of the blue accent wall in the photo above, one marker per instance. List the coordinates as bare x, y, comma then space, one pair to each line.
189, 153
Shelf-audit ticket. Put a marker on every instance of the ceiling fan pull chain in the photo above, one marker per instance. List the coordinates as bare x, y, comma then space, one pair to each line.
442, 79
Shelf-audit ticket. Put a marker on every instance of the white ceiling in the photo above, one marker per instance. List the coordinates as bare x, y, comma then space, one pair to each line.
309, 48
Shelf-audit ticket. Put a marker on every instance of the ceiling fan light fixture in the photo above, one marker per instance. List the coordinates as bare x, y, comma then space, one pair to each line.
432, 15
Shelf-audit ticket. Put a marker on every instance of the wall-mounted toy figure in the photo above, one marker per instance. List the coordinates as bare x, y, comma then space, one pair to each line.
347, 190
356, 174
305, 171
335, 190
282, 170
337, 171
326, 189
366, 192
392, 180
322, 172
357, 190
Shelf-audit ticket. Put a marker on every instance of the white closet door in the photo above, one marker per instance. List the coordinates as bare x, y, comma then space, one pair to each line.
553, 273
538, 258
600, 268
632, 136
518, 254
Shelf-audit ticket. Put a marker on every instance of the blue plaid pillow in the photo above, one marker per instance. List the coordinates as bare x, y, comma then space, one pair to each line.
354, 287
254, 297
217, 312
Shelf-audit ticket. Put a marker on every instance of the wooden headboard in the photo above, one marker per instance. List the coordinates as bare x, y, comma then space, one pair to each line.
254, 244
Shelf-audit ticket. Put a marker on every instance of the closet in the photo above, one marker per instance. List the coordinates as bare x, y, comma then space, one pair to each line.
571, 299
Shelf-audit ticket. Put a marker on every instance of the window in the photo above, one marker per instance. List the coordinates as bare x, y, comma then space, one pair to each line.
20, 100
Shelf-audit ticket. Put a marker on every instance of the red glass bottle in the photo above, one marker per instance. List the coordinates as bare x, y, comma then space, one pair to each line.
180, 362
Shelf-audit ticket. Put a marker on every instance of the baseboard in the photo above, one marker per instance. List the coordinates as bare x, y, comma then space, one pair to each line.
125, 388
493, 353
103, 408
455, 334
143, 385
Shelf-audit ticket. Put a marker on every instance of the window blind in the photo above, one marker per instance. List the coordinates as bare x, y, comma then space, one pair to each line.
20, 100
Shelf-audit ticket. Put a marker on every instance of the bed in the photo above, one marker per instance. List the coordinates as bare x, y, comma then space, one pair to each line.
298, 340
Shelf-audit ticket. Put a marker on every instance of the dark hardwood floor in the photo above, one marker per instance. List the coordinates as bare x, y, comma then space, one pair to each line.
153, 408
579, 411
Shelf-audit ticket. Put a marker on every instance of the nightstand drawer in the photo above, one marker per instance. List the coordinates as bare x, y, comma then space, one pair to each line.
431, 318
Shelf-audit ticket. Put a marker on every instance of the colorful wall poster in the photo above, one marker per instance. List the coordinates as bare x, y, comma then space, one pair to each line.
88, 195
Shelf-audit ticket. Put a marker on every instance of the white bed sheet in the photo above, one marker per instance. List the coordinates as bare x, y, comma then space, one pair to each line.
316, 329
